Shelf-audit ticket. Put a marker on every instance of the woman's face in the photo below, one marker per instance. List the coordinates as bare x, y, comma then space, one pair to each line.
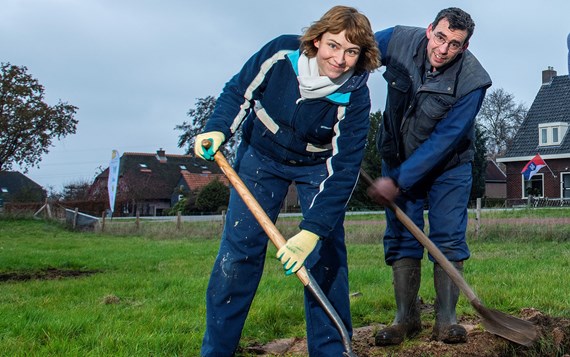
335, 55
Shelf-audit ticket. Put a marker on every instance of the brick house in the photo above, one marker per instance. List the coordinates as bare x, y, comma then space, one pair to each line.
150, 183
545, 132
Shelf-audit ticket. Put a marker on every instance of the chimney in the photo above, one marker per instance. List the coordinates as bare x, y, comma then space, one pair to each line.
161, 155
547, 75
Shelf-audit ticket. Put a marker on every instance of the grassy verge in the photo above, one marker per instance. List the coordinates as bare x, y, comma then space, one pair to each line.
148, 298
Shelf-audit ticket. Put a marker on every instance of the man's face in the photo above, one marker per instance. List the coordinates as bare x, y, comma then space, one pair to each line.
444, 44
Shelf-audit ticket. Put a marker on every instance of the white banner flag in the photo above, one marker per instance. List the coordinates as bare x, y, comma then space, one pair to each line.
113, 178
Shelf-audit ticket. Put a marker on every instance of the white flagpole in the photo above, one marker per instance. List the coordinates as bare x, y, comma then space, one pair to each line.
549, 169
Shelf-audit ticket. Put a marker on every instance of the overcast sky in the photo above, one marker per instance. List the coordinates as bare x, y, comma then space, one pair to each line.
135, 67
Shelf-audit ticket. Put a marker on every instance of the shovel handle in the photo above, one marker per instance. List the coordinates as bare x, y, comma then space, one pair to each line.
429, 245
264, 221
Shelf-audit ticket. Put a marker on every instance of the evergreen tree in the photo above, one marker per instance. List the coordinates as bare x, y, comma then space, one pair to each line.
479, 164
214, 197
371, 163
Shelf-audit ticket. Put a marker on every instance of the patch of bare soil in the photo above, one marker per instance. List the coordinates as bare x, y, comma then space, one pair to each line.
44, 274
554, 341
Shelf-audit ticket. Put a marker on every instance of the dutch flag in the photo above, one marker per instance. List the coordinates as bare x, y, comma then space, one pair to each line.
532, 167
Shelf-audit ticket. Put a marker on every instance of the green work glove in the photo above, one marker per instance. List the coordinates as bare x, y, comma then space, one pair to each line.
216, 139
296, 250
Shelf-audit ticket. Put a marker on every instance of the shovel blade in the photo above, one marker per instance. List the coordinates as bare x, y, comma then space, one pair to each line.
507, 326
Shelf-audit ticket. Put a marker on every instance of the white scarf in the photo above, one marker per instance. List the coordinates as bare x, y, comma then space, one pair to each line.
312, 84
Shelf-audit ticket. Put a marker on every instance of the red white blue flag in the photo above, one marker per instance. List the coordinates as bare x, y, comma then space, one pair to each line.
532, 167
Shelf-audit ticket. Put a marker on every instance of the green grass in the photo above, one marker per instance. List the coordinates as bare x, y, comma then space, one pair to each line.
148, 298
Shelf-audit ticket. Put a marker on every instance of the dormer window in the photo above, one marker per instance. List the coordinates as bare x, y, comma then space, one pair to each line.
551, 133
182, 167
143, 166
4, 190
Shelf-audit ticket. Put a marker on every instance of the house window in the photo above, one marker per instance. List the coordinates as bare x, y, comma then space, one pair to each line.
552, 133
566, 185
534, 186
4, 190
143, 166
182, 167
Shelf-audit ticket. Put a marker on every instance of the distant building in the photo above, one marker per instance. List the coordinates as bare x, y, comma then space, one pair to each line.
495, 181
16, 187
545, 132
150, 183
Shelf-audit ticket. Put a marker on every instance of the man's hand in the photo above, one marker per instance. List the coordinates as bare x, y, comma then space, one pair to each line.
216, 138
296, 250
383, 191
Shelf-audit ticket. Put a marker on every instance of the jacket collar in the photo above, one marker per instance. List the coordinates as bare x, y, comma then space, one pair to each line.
341, 95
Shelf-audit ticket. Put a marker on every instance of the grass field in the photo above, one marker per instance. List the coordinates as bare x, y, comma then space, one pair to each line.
145, 295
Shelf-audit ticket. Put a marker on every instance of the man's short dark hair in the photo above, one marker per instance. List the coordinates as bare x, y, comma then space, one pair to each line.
458, 20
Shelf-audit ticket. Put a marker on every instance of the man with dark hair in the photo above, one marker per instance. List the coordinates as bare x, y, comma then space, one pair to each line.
435, 90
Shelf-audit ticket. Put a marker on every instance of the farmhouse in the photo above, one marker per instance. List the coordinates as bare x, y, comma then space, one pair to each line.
150, 183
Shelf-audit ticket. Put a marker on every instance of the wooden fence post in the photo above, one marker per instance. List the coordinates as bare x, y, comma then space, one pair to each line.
103, 222
48, 208
75, 214
178, 220
478, 218
137, 222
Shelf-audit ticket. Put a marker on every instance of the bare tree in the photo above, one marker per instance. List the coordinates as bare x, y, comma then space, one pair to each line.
76, 191
500, 118
199, 115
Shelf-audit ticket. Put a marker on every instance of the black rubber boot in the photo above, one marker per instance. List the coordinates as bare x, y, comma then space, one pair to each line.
446, 328
407, 275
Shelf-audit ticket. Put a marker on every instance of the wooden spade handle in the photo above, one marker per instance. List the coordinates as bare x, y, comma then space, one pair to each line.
262, 218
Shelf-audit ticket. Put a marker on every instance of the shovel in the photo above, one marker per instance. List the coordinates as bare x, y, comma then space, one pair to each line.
496, 322
278, 240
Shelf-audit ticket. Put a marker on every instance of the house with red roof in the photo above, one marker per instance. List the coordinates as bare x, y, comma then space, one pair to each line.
151, 183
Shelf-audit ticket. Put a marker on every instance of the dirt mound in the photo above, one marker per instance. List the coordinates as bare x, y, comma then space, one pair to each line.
554, 340
44, 274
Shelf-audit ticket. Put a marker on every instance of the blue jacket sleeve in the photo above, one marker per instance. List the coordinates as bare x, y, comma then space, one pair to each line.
442, 141
382, 39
